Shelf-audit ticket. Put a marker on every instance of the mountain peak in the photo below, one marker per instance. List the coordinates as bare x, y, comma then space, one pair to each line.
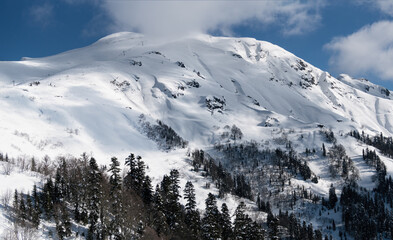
200, 82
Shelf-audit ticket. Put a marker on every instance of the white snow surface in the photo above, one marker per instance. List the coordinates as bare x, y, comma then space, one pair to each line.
76, 108
90, 99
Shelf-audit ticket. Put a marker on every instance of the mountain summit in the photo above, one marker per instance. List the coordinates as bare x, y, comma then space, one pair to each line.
90, 99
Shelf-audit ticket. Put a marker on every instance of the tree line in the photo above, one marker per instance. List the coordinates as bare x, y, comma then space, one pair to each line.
111, 205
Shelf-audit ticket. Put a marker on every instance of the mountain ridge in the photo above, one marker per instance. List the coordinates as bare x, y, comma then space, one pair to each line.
243, 70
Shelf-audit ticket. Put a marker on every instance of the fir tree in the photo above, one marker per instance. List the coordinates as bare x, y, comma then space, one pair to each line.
174, 184
29, 208
272, 223
140, 229
332, 197
256, 231
333, 225
210, 220
165, 186
22, 209
63, 223
139, 174
136, 174
94, 201
258, 202
15, 203
225, 223
189, 195
129, 180
36, 208
171, 201
115, 194
147, 193
192, 218
47, 200
36, 199
242, 222
61, 186
57, 192
159, 219
33, 167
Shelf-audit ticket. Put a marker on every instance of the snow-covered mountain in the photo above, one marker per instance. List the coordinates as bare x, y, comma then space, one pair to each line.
89, 99
98, 100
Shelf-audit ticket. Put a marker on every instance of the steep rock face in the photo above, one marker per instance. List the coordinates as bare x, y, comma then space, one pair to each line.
89, 99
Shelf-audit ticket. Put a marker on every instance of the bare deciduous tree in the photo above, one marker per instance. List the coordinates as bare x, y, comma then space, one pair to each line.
8, 167
17, 232
6, 197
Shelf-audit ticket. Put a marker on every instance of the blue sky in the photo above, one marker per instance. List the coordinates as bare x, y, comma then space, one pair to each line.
351, 36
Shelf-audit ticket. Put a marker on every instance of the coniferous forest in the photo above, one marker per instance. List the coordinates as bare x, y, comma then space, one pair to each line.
85, 200
107, 204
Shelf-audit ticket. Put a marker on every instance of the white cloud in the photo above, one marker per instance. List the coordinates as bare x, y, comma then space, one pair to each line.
42, 14
369, 50
177, 18
385, 6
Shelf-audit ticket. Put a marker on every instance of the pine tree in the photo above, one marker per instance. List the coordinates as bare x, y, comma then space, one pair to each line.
35, 218
136, 174
242, 222
139, 174
310, 232
140, 229
78, 189
272, 223
47, 200
255, 231
115, 194
189, 195
258, 202
318, 235
36, 199
333, 225
57, 192
29, 208
129, 180
33, 167
61, 186
165, 186
63, 223
15, 203
159, 219
171, 198
211, 218
36, 208
192, 218
22, 209
94, 194
147, 193
225, 223
332, 197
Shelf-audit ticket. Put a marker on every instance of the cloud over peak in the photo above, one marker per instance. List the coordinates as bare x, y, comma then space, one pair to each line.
369, 50
177, 18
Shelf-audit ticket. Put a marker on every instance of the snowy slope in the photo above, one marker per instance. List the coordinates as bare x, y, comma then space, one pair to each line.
90, 100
